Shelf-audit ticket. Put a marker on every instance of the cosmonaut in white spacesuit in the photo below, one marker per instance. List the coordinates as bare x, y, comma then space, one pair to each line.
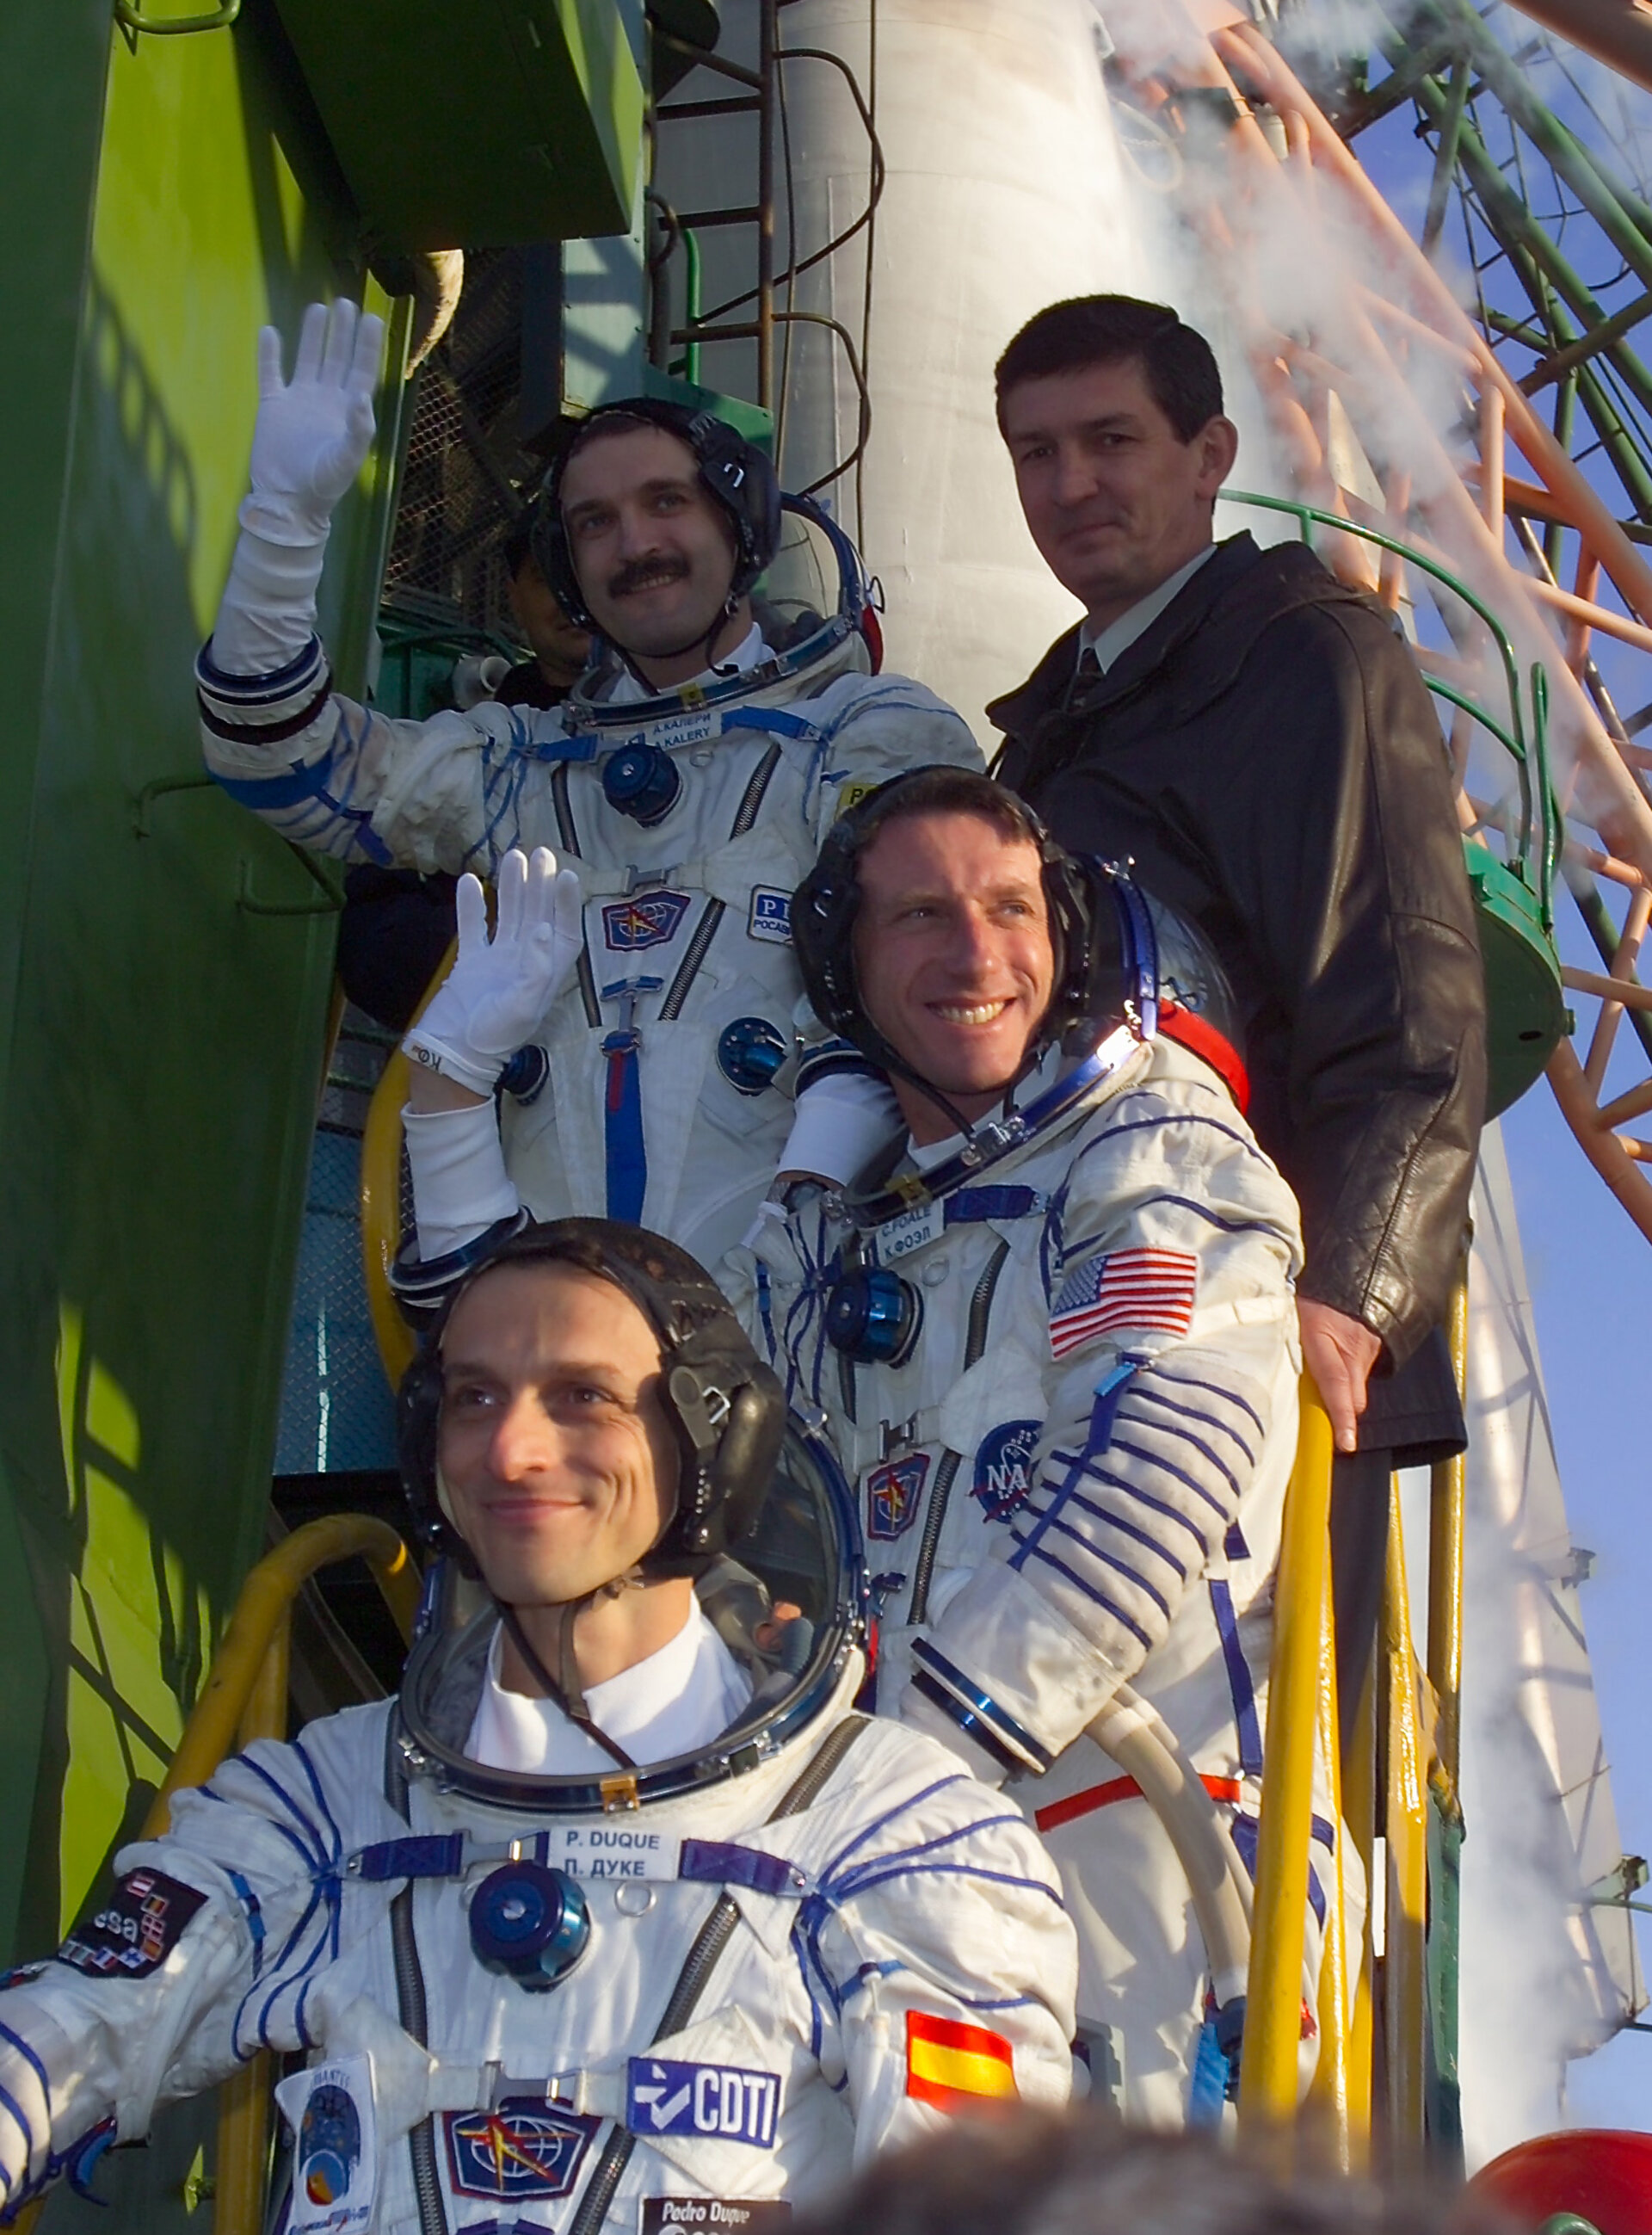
1052, 1333
689, 780
671, 1923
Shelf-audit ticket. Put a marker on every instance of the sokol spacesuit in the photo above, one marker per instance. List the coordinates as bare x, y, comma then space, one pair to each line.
1058, 1353
541, 1983
688, 812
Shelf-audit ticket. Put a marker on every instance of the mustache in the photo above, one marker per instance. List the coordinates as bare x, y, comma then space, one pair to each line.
644, 573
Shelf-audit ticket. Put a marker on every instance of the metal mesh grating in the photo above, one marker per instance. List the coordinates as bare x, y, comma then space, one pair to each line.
464, 460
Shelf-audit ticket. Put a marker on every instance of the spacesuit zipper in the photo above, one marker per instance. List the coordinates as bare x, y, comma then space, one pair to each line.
702, 1960
705, 929
981, 1306
412, 2009
568, 838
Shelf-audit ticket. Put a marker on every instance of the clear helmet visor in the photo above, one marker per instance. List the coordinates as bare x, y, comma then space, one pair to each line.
813, 581
788, 1599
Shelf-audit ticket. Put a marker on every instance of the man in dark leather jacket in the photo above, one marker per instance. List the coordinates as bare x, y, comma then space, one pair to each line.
1256, 736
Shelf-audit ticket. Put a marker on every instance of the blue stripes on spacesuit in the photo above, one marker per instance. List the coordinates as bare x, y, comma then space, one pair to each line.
315, 1938
1109, 1395
302, 784
13, 2110
774, 721
1246, 1720
974, 1206
842, 1881
1158, 1474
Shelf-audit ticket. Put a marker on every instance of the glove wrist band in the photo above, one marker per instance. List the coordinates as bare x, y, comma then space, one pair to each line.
431, 1054
976, 1713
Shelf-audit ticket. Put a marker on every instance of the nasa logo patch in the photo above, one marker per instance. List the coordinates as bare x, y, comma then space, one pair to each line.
522, 2148
1004, 1468
138, 1929
894, 1492
770, 915
644, 919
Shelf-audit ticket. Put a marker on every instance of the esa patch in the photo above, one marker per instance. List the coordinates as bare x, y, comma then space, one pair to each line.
1004, 1468
707, 2215
893, 1493
522, 2148
663, 2096
642, 919
137, 1931
770, 915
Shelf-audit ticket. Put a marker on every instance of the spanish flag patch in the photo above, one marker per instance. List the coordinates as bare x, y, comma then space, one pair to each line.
957, 2067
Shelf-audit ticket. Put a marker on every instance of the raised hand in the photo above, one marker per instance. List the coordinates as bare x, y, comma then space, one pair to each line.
493, 999
313, 433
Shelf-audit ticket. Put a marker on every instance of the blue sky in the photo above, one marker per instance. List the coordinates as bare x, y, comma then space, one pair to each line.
1589, 1269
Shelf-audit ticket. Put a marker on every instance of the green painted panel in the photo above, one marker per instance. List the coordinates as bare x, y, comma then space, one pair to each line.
158, 1096
478, 123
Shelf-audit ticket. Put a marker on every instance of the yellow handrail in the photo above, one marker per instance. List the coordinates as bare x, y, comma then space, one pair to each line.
260, 1624
380, 1215
381, 1199
245, 1697
1269, 2060
1447, 1484
1406, 1845
1340, 2098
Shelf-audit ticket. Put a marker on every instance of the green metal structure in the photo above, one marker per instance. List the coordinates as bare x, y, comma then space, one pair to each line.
165, 962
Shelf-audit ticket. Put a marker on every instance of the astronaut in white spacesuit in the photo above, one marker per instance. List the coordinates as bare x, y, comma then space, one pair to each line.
618, 1917
689, 780
1052, 1333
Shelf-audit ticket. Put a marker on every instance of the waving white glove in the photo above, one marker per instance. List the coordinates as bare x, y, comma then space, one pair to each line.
313, 433
309, 440
498, 990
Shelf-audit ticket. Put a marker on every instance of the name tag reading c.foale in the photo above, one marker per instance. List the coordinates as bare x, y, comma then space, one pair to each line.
599, 1851
913, 1229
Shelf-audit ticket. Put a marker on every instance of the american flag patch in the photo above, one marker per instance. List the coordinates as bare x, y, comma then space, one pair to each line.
1130, 1289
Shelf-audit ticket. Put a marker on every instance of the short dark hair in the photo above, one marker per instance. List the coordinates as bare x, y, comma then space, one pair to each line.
1039, 2172
1179, 364
944, 790
516, 545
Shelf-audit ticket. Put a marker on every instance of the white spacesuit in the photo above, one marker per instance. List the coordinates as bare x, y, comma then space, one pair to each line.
690, 816
630, 1997
1058, 1356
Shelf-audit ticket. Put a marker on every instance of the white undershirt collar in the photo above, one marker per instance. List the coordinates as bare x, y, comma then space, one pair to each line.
1118, 636
750, 653
677, 1700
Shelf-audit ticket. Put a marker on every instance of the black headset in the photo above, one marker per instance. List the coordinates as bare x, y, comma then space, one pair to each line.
1080, 893
727, 1409
733, 471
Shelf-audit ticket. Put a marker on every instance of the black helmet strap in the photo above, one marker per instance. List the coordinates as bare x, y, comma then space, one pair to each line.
565, 1689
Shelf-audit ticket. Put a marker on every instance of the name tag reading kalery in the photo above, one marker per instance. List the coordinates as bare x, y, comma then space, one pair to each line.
601, 1851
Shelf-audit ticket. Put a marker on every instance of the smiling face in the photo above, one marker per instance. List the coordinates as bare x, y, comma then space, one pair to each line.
1115, 501
554, 1444
953, 957
654, 550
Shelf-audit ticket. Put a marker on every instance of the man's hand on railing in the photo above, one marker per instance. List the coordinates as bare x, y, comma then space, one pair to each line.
1339, 1353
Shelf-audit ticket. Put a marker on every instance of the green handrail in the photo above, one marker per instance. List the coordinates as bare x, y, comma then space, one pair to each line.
1513, 738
